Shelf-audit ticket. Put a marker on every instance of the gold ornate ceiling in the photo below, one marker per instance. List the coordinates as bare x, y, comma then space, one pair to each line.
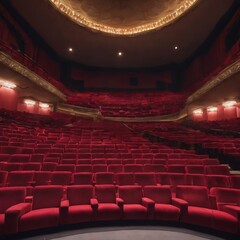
124, 17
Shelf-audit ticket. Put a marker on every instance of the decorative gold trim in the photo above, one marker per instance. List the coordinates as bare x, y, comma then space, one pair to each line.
79, 111
24, 71
223, 75
81, 20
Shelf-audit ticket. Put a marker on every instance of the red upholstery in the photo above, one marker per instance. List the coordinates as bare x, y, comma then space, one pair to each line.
20, 178
144, 179
132, 202
125, 179
217, 170
42, 178
83, 178
45, 209
155, 168
10, 196
235, 181
133, 168
200, 213
61, 178
108, 208
20, 158
84, 168
3, 178
164, 208
80, 208
104, 178
217, 181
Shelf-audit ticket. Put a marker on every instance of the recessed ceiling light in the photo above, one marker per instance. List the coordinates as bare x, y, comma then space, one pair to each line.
176, 47
120, 53
70, 49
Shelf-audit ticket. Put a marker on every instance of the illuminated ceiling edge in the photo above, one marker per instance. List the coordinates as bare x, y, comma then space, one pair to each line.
162, 22
223, 75
24, 71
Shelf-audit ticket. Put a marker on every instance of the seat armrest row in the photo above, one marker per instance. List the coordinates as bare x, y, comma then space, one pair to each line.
12, 216
94, 203
180, 203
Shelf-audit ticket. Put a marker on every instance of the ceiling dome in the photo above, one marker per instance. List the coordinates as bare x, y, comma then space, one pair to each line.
123, 17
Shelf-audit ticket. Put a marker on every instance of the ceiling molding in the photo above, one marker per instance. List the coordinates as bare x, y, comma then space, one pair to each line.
213, 82
33, 77
78, 17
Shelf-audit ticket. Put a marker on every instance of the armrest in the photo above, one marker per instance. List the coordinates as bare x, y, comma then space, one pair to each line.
119, 202
234, 210
12, 216
213, 201
63, 212
149, 204
180, 203
94, 203
31, 183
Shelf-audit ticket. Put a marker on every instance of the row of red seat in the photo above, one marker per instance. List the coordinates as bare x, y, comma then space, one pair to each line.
35, 178
171, 168
192, 205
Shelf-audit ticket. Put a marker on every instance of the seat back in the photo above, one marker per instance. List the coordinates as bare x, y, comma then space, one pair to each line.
105, 193
130, 194
47, 197
194, 195
10, 196
159, 194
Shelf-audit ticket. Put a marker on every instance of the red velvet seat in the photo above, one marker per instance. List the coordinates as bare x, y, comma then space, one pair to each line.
65, 167
42, 178
235, 181
217, 170
217, 181
82, 178
37, 158
104, 178
195, 169
109, 207
133, 168
144, 179
44, 211
99, 168
134, 205
176, 168
49, 166
61, 178
12, 166
115, 168
31, 166
20, 178
164, 205
198, 210
124, 179
10, 196
20, 158
3, 178
84, 168
196, 179
154, 168
81, 206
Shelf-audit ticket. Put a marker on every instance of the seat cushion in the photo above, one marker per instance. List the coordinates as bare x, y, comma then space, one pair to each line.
134, 211
79, 213
2, 217
198, 216
225, 222
108, 211
39, 218
166, 212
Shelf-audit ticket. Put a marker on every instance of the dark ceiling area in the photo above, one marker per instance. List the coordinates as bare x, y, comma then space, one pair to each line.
147, 50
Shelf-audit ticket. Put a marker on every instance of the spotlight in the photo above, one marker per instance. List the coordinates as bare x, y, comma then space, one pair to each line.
43, 105
198, 111
7, 84
229, 103
30, 102
212, 109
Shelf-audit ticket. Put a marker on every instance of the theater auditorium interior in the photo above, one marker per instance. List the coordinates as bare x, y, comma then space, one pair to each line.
120, 119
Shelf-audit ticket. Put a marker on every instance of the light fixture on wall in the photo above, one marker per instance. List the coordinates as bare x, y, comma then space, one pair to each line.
7, 84
43, 105
198, 111
229, 103
212, 109
29, 102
